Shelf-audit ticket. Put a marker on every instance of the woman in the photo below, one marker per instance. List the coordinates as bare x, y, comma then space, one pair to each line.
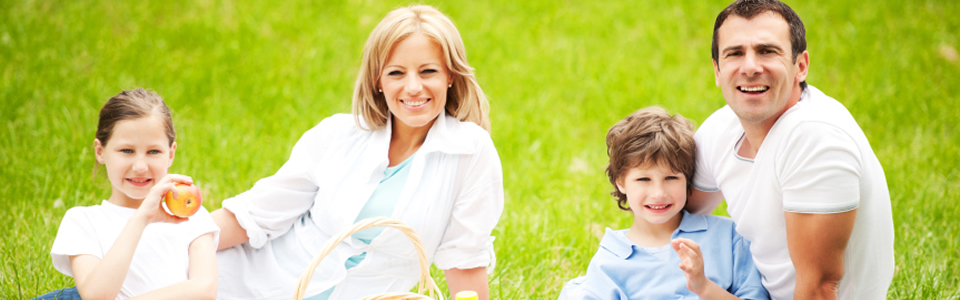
417, 149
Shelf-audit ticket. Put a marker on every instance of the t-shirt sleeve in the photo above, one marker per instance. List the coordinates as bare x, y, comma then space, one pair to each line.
76, 236
747, 282
703, 178
820, 170
201, 223
467, 242
270, 208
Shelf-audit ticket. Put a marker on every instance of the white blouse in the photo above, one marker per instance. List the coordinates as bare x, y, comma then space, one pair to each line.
453, 198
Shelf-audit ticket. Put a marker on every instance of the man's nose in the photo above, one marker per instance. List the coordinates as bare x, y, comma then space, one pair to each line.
751, 66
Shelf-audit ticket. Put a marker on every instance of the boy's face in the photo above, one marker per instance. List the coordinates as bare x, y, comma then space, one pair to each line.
656, 194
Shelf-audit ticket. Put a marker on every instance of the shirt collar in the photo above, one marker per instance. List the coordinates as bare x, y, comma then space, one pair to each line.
447, 135
616, 241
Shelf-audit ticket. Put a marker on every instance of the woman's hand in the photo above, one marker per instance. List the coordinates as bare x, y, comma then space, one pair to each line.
691, 262
151, 210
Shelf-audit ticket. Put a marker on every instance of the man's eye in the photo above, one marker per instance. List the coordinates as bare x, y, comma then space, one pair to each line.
734, 54
128, 151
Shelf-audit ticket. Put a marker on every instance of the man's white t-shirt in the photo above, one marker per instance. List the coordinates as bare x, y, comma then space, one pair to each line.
161, 257
815, 159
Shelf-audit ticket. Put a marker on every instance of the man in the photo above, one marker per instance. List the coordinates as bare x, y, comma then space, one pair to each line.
798, 174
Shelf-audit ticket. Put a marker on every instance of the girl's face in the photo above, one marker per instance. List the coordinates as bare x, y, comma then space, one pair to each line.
136, 156
415, 82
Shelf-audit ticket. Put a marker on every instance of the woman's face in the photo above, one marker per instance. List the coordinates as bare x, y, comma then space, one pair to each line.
415, 82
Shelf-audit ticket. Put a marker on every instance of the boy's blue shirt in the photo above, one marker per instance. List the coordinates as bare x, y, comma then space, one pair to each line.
622, 270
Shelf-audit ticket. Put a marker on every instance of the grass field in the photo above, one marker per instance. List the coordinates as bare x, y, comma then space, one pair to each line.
245, 79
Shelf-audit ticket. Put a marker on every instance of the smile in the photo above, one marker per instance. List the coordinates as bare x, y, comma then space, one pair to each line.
754, 89
658, 207
412, 102
139, 181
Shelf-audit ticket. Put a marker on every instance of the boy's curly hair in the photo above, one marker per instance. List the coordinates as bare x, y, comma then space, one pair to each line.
650, 137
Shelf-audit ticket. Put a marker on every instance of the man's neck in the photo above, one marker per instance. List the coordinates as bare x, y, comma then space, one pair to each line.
756, 132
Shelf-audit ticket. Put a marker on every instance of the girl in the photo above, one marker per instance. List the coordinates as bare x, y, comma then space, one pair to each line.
128, 246
416, 149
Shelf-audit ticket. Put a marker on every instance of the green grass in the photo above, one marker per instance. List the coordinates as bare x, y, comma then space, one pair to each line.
245, 80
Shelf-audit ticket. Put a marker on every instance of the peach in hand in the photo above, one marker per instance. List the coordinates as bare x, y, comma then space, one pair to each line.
187, 202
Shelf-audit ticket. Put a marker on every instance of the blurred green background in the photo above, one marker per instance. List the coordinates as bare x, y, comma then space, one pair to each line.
246, 78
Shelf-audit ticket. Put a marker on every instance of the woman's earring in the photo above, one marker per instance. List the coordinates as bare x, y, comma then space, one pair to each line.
379, 90
450, 86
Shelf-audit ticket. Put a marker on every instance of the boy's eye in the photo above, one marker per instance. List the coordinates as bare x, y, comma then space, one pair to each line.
128, 151
154, 152
643, 179
672, 177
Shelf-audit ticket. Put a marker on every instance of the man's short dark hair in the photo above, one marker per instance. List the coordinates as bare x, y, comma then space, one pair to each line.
748, 9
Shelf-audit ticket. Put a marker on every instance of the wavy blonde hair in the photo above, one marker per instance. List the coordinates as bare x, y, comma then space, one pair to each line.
465, 99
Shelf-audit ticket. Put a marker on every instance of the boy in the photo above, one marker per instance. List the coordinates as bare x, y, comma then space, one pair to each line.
652, 160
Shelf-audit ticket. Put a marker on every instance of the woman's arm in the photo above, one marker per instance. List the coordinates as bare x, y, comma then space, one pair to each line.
201, 280
102, 279
231, 234
475, 279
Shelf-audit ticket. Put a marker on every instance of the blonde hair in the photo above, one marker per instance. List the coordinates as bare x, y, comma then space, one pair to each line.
650, 137
465, 99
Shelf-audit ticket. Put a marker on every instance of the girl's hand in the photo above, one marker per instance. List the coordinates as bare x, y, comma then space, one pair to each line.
691, 262
151, 210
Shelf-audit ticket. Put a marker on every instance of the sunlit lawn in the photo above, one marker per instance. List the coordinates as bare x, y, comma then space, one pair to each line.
245, 80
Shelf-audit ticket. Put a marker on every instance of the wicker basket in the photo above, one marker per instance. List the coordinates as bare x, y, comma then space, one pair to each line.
426, 282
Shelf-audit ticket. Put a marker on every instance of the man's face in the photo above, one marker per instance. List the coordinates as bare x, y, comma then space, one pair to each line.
755, 68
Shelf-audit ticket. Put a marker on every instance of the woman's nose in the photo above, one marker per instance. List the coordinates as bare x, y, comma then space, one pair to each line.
414, 85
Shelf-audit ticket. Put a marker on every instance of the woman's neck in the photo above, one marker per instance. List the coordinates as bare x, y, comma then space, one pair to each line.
405, 140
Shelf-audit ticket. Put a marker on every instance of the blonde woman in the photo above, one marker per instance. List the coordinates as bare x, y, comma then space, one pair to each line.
416, 148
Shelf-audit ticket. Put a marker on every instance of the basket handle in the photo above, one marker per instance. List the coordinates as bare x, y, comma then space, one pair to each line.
426, 282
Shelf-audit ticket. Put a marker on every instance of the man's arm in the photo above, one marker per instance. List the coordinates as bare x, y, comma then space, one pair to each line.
817, 243
703, 203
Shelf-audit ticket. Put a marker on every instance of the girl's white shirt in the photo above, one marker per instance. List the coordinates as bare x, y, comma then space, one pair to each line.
453, 198
162, 254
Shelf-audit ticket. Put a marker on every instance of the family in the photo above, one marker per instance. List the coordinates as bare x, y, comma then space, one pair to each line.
810, 213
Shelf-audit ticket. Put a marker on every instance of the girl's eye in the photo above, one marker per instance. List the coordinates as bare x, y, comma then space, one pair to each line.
128, 151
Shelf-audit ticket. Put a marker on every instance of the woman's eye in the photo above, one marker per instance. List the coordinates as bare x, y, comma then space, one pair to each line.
427, 71
395, 73
128, 151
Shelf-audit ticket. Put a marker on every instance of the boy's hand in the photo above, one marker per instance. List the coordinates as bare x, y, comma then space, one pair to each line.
691, 262
151, 210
